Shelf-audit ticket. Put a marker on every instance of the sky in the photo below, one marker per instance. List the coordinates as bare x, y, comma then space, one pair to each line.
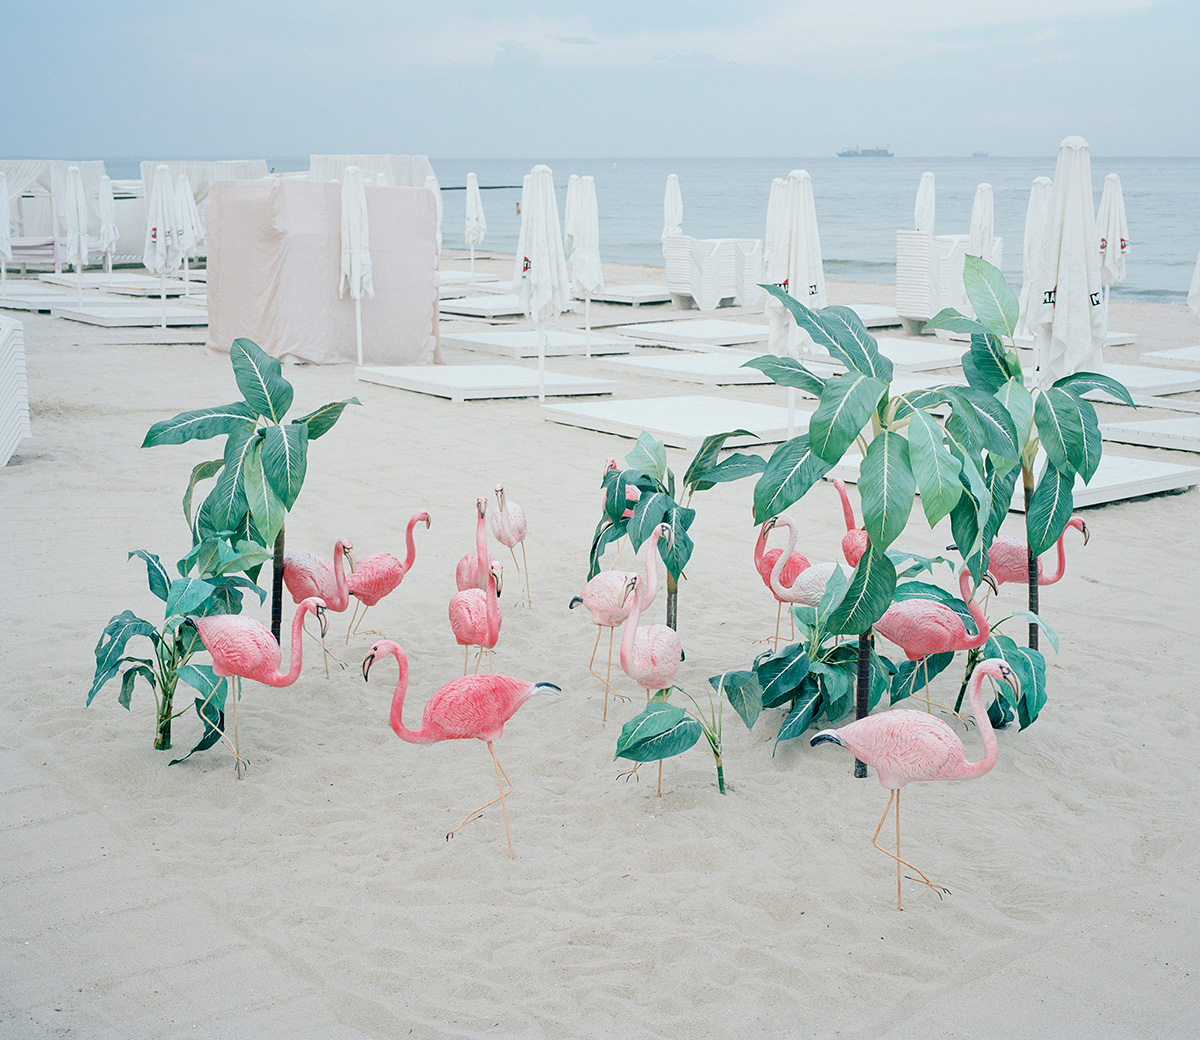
622, 78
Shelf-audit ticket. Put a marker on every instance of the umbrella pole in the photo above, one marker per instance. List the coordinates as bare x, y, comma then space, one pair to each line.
587, 325
472, 264
358, 327
541, 364
79, 283
162, 292
3, 278
186, 290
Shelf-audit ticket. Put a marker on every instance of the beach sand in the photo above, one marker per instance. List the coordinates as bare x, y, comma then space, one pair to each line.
319, 897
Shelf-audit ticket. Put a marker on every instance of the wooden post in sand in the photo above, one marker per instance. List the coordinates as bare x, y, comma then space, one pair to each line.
277, 588
862, 697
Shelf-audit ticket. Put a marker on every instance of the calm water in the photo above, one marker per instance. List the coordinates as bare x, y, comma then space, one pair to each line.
860, 204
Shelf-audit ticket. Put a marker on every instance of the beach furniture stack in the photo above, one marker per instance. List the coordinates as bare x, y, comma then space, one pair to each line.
707, 272
14, 391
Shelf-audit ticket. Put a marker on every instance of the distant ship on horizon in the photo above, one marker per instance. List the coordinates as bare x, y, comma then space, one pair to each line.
866, 153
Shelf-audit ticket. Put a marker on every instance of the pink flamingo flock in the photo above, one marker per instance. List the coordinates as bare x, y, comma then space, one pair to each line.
380, 574
474, 612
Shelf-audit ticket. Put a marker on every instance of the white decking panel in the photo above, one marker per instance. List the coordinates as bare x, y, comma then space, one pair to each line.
460, 383
523, 343
1182, 434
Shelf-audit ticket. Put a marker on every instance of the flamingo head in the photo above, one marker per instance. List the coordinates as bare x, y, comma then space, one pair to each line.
500, 496
999, 669
767, 527
317, 606
348, 549
854, 546
497, 573
630, 588
481, 507
610, 464
421, 515
665, 532
384, 646
1081, 527
990, 580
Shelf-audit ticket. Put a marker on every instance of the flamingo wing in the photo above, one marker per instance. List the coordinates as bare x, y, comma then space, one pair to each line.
306, 574
476, 706
468, 617
905, 745
375, 577
921, 627
239, 645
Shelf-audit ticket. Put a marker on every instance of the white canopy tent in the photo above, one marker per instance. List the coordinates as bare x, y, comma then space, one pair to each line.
1068, 324
75, 218
399, 171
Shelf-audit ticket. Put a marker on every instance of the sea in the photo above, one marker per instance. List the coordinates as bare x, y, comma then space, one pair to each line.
860, 203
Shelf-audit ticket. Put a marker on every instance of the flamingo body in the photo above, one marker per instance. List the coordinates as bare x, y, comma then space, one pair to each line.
379, 574
921, 627
509, 525
475, 616
601, 596
243, 647
1008, 558
650, 656
468, 574
306, 574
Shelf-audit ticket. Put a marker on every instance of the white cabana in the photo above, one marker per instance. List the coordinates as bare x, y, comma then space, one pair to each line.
161, 254
1114, 236
925, 208
540, 270
672, 209
191, 227
106, 206
476, 224
356, 248
1037, 215
431, 184
1068, 324
202, 175
587, 277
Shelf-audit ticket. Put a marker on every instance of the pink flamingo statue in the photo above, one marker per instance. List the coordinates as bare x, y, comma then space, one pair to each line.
809, 585
1008, 558
379, 574
854, 542
306, 574
904, 745
632, 496
921, 627
244, 648
603, 595
470, 572
791, 568
474, 706
475, 613
509, 528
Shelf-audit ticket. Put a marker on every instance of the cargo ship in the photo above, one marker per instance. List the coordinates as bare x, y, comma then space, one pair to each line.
866, 153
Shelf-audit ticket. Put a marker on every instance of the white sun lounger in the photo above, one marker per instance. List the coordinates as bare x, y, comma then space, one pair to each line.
680, 422
14, 390
96, 279
523, 343
496, 287
446, 277
1149, 381
875, 315
1118, 477
698, 334
709, 368
460, 383
1182, 434
1179, 356
908, 355
48, 298
634, 295
503, 305
126, 315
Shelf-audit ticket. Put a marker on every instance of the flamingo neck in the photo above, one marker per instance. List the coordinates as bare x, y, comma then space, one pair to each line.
397, 716
847, 509
630, 633
991, 746
481, 543
1061, 568
760, 547
339, 577
493, 609
977, 615
410, 544
297, 651
505, 518
777, 570
651, 589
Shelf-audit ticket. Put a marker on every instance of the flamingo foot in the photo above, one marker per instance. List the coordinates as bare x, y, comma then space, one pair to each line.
630, 773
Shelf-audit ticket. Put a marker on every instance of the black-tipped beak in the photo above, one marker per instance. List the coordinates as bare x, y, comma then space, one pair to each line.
426, 523
951, 547
769, 525
323, 621
991, 582
575, 601
367, 662
350, 557
1086, 533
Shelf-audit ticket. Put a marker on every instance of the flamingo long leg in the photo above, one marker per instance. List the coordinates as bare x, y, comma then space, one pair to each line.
896, 855
237, 755
352, 628
474, 814
525, 571
231, 744
325, 650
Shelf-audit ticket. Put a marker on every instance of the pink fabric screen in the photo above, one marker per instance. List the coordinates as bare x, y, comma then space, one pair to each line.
274, 255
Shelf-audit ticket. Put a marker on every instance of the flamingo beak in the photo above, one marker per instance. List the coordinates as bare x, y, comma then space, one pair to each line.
625, 592
1010, 677
499, 584
323, 619
770, 524
1086, 533
991, 581
426, 521
350, 556
367, 662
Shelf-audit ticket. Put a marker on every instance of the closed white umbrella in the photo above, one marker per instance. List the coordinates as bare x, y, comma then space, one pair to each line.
587, 277
75, 217
5, 234
160, 254
982, 238
540, 271
107, 208
774, 253
571, 213
356, 248
923, 211
191, 227
1068, 324
431, 182
672, 208
476, 224
1114, 236
1037, 216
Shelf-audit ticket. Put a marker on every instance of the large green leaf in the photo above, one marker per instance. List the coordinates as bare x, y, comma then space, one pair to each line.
1049, 509
650, 511
837, 678
792, 469
911, 677
156, 573
846, 404
656, 509
994, 303
265, 505
1060, 427
649, 455
201, 424
857, 347
260, 379
130, 677
1076, 418
1079, 383
606, 534
786, 371
187, 594
705, 470
1030, 666
868, 594
662, 730
936, 470
810, 698
1047, 631
735, 467
1018, 402
1001, 483
999, 432
201, 471
968, 535
202, 677
780, 675
110, 647
952, 321
321, 421
887, 487
984, 364
924, 590
285, 460
226, 502
213, 717
807, 320
743, 692
227, 597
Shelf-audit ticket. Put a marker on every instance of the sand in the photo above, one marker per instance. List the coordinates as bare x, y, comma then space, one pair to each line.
319, 896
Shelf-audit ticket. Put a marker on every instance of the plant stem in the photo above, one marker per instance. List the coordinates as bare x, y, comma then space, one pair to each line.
277, 587
862, 698
672, 600
973, 657
1027, 481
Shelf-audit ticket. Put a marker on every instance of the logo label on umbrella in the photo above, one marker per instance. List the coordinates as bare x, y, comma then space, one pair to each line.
525, 264
812, 289
1048, 297
1095, 297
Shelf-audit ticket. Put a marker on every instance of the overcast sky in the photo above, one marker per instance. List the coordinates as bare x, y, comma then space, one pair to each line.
451, 78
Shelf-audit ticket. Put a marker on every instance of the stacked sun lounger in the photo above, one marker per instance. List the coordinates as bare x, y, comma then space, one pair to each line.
14, 392
712, 271
929, 274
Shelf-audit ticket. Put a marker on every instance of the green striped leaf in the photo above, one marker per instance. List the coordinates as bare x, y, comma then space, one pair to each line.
1060, 427
156, 573
1079, 383
858, 348
662, 730
912, 676
1049, 509
202, 471
186, 594
706, 458
226, 503
952, 321
846, 404
1018, 402
111, 646
201, 424
936, 470
260, 379
985, 365
742, 691
792, 469
780, 675
998, 431
887, 487
868, 595
810, 700
321, 421
285, 460
265, 505
994, 303
786, 371
649, 456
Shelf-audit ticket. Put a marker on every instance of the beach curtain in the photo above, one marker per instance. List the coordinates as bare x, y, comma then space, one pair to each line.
75, 219
586, 274
431, 184
476, 222
1068, 325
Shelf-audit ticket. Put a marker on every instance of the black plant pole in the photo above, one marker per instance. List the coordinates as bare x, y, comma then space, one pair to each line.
277, 588
862, 699
1027, 478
